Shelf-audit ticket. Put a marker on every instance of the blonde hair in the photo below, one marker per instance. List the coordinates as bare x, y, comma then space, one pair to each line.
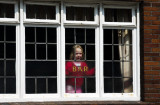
72, 55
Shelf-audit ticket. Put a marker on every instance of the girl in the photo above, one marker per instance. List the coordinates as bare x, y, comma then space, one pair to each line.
76, 69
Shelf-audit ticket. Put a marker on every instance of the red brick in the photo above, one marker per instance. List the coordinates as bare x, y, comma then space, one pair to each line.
147, 40
151, 54
151, 36
152, 81
156, 58
156, 77
151, 72
147, 13
148, 22
151, 45
147, 68
151, 95
151, 9
156, 67
147, 49
155, 13
151, 0
147, 58
150, 18
155, 49
151, 63
147, 31
151, 27
155, 31
155, 40
147, 4
152, 90
156, 4
152, 100
152, 86
156, 22
148, 77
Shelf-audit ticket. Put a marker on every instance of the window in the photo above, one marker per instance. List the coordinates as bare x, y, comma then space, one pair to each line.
64, 51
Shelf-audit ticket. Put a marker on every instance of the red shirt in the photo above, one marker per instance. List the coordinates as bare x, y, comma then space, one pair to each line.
73, 70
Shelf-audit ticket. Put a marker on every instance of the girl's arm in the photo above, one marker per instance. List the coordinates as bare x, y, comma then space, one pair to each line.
89, 71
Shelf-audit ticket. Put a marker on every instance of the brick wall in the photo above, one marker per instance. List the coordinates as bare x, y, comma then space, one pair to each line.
151, 73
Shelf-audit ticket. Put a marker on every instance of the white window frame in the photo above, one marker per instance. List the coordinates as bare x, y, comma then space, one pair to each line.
99, 25
70, 22
16, 14
47, 21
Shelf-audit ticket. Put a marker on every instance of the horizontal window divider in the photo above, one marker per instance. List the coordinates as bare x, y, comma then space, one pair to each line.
119, 44
7, 77
114, 77
79, 44
8, 42
117, 60
80, 60
40, 43
7, 59
42, 23
41, 77
39, 60
118, 26
80, 77
72, 23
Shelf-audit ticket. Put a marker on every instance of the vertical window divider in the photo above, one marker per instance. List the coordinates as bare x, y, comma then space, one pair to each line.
101, 19
22, 52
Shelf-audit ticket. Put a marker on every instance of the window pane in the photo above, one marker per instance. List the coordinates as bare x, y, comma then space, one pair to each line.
6, 10
41, 51
118, 15
10, 33
40, 12
41, 60
80, 61
1, 33
10, 50
1, 50
10, 85
80, 13
90, 36
117, 63
10, 68
30, 34
1, 68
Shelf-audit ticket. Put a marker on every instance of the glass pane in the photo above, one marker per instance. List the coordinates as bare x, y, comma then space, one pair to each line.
118, 15
1, 85
80, 13
1, 33
41, 68
41, 63
10, 33
30, 85
41, 51
52, 51
80, 35
40, 11
117, 63
30, 34
128, 85
30, 51
10, 50
52, 85
1, 68
51, 35
1, 50
108, 71
107, 52
41, 34
10, 68
108, 85
10, 85
90, 36
6, 10
80, 61
90, 52
69, 35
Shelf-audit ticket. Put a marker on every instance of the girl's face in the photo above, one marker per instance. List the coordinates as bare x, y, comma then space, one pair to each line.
78, 54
